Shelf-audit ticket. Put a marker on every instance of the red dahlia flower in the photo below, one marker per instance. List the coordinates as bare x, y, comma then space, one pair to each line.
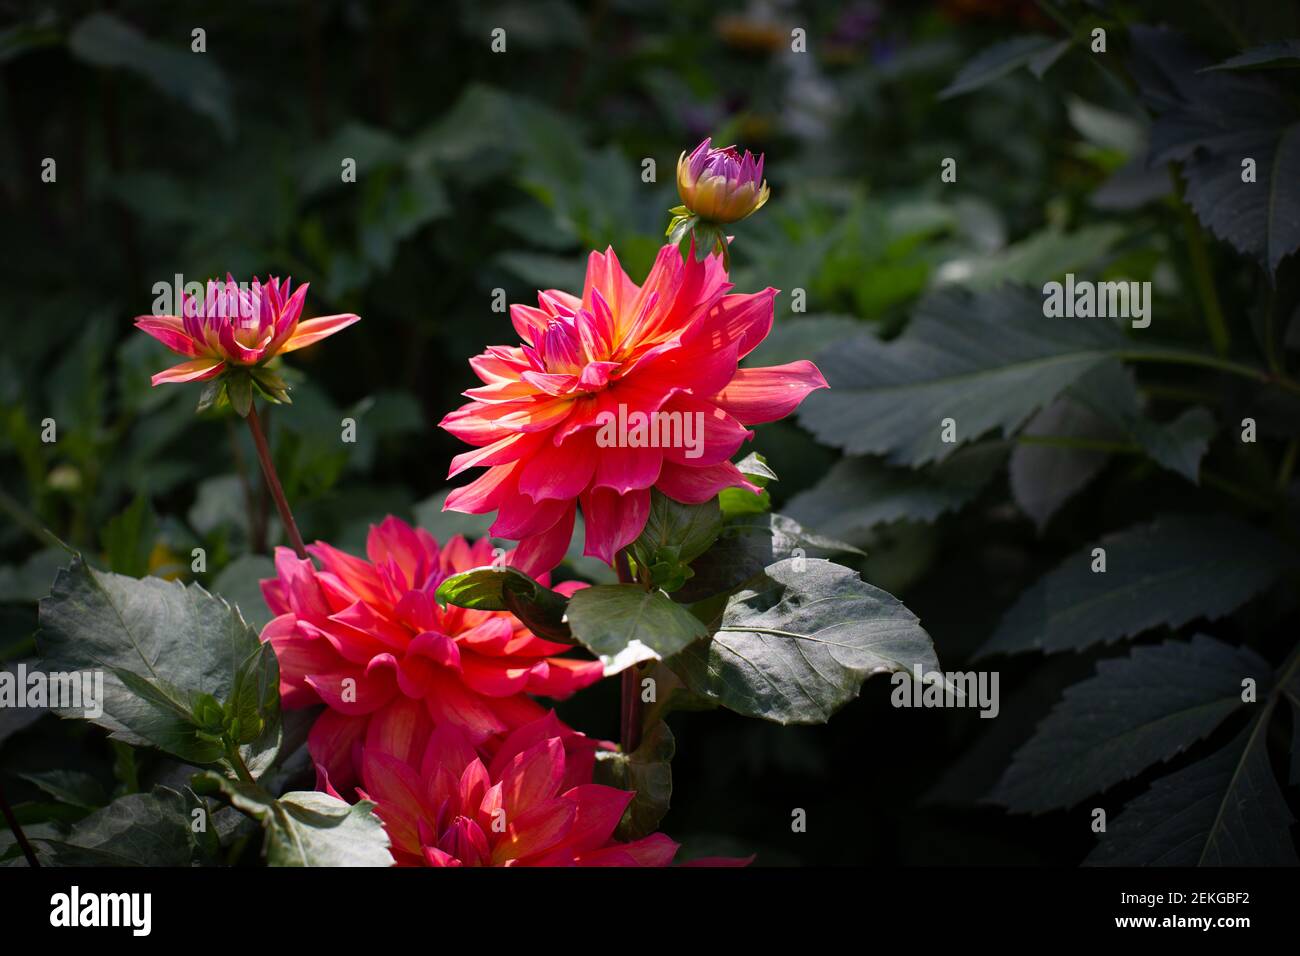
366, 637
234, 327
531, 804
581, 410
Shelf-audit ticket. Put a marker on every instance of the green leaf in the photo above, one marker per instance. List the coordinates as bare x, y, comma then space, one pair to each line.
648, 772
1045, 255
1137, 711
239, 387
988, 360
164, 648
675, 534
509, 589
1034, 51
309, 828
105, 40
1225, 810
799, 337
798, 642
128, 539
859, 493
623, 624
70, 786
747, 545
139, 829
1166, 573
1211, 122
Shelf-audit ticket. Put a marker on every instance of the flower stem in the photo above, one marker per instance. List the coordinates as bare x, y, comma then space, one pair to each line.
273, 482
630, 716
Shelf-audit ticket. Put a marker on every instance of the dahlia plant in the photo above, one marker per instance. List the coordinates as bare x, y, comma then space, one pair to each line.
417, 667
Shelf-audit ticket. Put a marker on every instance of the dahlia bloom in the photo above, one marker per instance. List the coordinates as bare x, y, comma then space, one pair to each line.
367, 638
720, 185
531, 804
233, 327
663, 352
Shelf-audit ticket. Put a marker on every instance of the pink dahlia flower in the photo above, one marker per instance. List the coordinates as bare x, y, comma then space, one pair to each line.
235, 327
531, 804
720, 185
555, 421
367, 638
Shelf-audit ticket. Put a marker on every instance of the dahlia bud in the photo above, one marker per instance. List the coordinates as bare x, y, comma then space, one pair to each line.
717, 186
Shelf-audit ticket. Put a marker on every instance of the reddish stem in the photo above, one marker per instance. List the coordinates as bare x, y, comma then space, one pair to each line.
273, 482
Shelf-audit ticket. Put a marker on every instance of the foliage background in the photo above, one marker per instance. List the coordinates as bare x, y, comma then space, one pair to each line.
479, 171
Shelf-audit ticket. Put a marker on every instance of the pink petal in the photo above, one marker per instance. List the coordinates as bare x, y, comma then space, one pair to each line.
757, 395
199, 370
613, 521
313, 330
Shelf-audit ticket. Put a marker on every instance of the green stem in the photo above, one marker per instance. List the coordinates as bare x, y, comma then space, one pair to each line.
27, 521
1178, 357
237, 762
1287, 468
17, 830
273, 482
630, 715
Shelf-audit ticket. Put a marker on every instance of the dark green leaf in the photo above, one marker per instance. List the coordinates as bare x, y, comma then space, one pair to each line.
1168, 572
675, 535
623, 624
128, 539
164, 648
797, 643
987, 360
648, 772
139, 829
1225, 810
1137, 711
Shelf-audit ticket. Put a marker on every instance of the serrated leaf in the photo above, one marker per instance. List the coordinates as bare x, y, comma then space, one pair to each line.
1285, 54
1137, 711
1165, 573
986, 360
1045, 477
307, 828
139, 829
798, 642
161, 646
859, 493
622, 624
1211, 122
1225, 810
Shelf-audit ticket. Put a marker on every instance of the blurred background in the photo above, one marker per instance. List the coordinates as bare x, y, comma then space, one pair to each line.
479, 171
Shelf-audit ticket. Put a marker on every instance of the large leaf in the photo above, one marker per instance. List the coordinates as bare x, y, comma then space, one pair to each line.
623, 624
1169, 572
308, 828
986, 360
1285, 54
1045, 476
169, 654
1210, 122
675, 534
105, 40
1138, 711
798, 642
240, 583
1225, 810
859, 493
160, 828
